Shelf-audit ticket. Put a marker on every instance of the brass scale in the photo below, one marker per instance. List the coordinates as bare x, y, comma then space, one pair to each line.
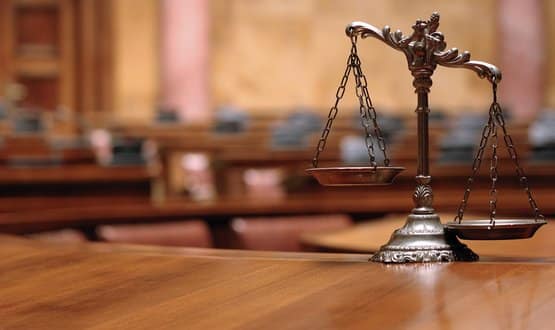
424, 238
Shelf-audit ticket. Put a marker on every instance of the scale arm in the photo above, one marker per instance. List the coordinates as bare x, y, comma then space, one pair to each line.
365, 30
452, 59
432, 40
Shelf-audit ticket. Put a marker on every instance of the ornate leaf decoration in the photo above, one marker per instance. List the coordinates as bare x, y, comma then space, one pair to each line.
425, 48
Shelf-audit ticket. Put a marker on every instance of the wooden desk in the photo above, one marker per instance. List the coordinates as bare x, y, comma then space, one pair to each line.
100, 210
33, 188
74, 173
369, 236
45, 286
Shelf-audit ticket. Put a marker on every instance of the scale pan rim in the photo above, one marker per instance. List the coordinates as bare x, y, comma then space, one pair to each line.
355, 175
504, 229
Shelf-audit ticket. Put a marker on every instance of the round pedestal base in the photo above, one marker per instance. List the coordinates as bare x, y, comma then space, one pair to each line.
423, 239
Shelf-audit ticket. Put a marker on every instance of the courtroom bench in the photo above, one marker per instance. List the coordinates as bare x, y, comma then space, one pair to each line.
360, 203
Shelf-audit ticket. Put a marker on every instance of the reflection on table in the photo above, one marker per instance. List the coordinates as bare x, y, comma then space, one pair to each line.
47, 285
368, 236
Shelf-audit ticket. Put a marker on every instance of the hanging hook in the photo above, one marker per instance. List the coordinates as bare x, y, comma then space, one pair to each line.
354, 39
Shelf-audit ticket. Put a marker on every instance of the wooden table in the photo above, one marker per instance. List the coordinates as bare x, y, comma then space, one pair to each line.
16, 217
367, 237
74, 174
45, 286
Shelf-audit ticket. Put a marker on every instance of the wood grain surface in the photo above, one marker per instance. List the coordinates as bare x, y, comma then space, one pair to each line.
95, 286
367, 237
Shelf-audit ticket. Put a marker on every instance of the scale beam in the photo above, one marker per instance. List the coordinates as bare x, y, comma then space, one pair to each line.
425, 47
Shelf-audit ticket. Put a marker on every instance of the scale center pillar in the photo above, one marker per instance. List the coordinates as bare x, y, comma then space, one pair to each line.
423, 237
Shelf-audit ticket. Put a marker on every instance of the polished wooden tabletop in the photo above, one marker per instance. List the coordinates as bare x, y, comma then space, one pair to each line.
367, 237
98, 286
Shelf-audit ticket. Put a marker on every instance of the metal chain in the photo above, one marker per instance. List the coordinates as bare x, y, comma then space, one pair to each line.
477, 162
364, 120
367, 111
368, 115
496, 119
512, 153
493, 174
332, 114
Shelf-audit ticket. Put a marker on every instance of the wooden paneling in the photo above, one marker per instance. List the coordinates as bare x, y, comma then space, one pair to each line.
549, 16
67, 54
6, 44
38, 50
65, 44
135, 51
37, 30
275, 55
94, 55
42, 92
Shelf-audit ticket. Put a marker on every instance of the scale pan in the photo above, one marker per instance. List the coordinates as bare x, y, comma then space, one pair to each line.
503, 229
355, 176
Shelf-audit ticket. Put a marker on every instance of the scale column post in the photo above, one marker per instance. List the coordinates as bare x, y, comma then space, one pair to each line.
422, 111
423, 194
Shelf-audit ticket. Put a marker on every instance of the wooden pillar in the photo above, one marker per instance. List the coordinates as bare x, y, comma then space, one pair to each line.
135, 58
184, 58
95, 56
522, 56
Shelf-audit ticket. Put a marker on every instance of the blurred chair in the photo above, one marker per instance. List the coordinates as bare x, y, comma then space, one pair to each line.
283, 233
3, 110
354, 151
306, 120
166, 115
60, 236
287, 137
127, 151
194, 233
28, 121
353, 148
462, 139
229, 120
391, 126
542, 137
437, 116
294, 132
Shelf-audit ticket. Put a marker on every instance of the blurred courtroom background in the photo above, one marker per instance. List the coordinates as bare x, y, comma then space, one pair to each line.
190, 122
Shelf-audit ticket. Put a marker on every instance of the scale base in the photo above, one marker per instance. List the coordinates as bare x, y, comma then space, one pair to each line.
423, 239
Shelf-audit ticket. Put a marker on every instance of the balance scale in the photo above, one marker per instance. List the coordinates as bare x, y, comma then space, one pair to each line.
424, 238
